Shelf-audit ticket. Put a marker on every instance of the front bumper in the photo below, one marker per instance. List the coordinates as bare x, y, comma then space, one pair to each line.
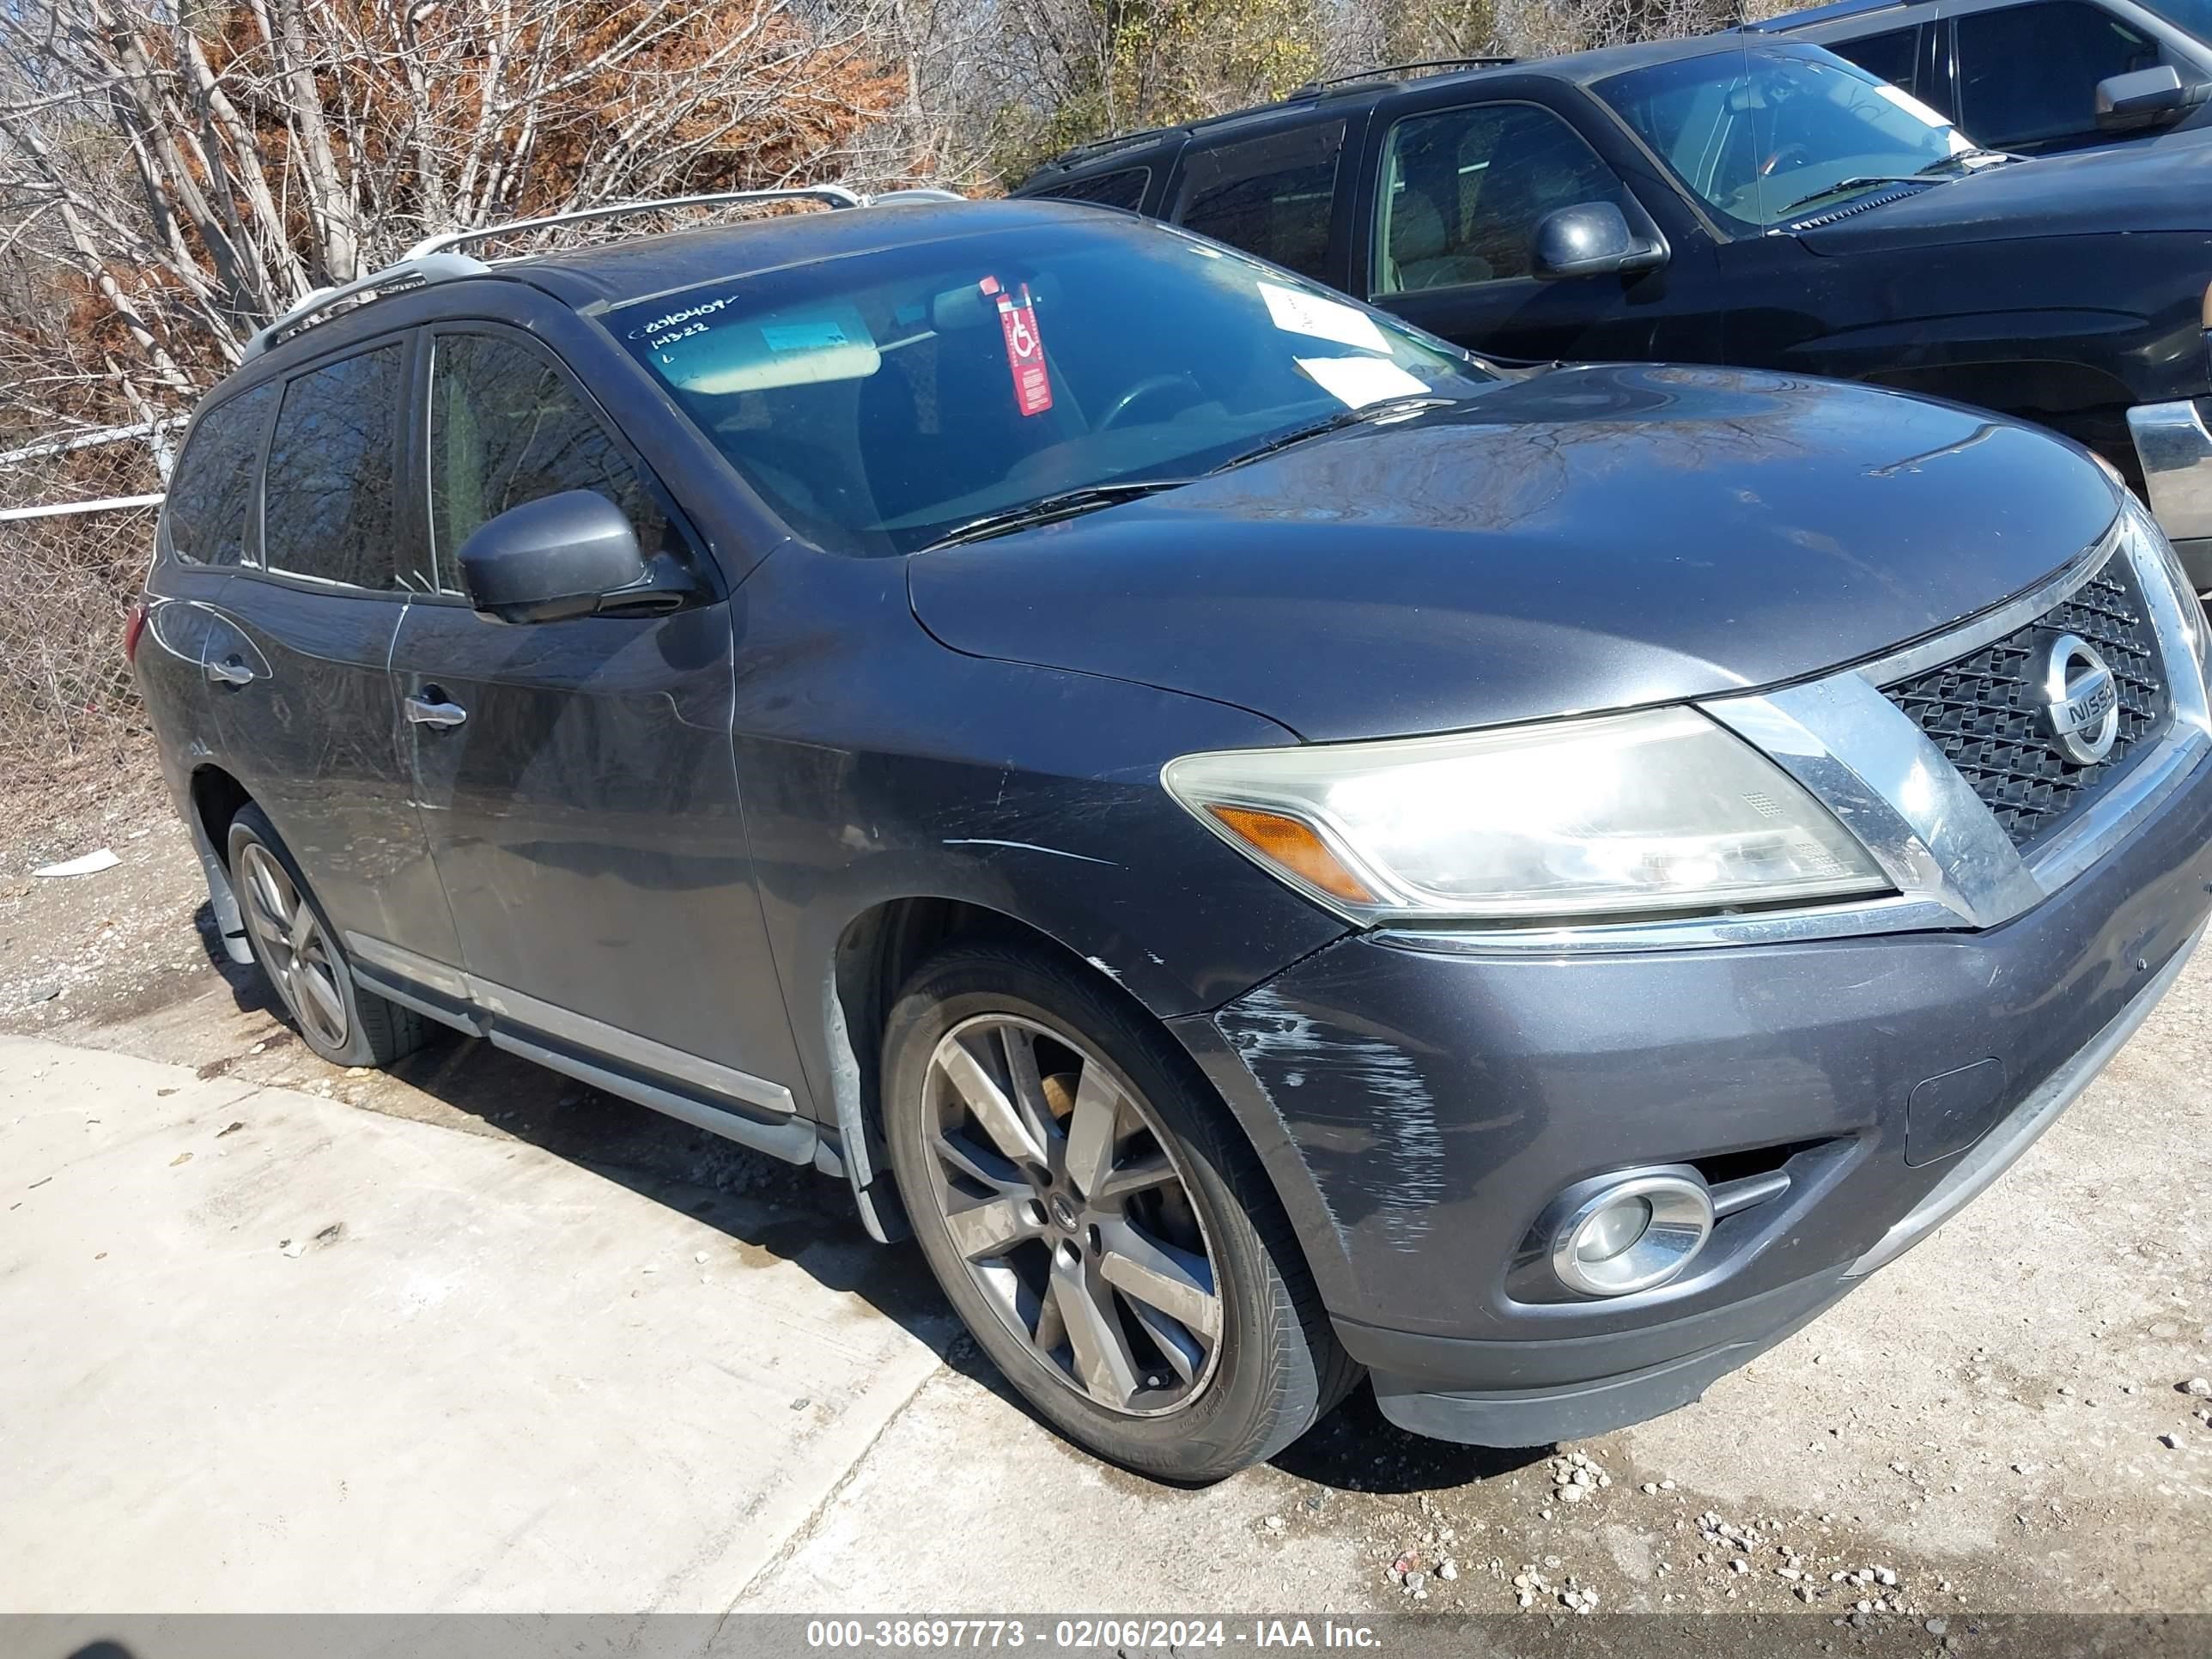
1432, 1104
2173, 442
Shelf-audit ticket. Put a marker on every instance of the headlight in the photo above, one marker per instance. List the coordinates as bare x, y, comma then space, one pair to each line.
2139, 529
1629, 814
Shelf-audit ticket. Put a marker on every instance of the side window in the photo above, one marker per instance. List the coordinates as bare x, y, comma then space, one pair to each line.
2028, 75
328, 507
1125, 189
1463, 192
1894, 56
210, 497
505, 427
1273, 195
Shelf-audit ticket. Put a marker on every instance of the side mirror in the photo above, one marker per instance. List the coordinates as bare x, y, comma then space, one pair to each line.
1591, 238
552, 558
2147, 98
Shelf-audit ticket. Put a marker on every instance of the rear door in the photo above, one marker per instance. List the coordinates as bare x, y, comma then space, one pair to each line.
1284, 193
1455, 187
577, 777
301, 654
204, 535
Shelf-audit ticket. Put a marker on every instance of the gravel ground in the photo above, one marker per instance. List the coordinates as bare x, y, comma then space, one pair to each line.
2015, 1417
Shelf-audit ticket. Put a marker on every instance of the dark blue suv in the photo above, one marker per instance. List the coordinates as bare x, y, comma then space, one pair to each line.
1272, 847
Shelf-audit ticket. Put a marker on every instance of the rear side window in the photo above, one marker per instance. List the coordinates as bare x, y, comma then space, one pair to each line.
506, 427
1125, 189
1273, 195
1894, 56
328, 511
212, 493
2028, 75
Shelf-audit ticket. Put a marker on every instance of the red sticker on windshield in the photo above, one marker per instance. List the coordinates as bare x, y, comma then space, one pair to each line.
1024, 350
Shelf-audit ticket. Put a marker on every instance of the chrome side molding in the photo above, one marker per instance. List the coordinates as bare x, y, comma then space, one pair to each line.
502, 1003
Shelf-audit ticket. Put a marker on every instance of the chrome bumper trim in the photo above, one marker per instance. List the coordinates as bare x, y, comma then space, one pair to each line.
1979, 1166
2175, 448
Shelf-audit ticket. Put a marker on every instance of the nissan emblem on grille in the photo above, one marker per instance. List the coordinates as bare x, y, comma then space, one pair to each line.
2021, 718
2083, 700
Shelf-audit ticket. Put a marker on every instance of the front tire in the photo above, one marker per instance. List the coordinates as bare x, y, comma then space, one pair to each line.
300, 956
1100, 1225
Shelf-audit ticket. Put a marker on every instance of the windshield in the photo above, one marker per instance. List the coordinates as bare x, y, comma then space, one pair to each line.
1764, 134
880, 400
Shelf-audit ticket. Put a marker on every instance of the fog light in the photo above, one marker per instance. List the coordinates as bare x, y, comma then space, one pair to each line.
1633, 1233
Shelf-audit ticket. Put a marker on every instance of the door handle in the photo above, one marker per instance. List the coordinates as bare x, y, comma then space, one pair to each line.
428, 708
231, 671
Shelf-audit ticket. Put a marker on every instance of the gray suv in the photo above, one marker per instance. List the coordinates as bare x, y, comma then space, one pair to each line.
1274, 848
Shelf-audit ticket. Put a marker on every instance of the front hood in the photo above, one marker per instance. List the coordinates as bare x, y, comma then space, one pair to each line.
2131, 189
1586, 539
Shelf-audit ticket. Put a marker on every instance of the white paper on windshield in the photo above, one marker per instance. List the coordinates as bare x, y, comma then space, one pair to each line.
700, 351
1324, 319
1911, 105
1356, 382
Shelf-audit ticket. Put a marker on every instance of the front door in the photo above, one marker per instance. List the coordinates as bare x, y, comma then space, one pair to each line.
576, 777
1457, 195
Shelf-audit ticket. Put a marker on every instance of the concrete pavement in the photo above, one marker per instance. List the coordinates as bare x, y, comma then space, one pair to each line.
266, 1351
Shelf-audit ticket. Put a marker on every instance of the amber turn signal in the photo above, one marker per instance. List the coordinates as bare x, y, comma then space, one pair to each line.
1297, 848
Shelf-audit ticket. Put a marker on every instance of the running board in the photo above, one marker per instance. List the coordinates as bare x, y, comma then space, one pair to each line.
793, 1139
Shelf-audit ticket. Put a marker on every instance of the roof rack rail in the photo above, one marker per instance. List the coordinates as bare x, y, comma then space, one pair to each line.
1786, 22
1387, 72
432, 258
407, 274
835, 195
1090, 147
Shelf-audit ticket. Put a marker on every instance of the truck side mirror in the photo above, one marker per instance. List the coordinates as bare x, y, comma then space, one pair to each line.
2147, 98
1591, 238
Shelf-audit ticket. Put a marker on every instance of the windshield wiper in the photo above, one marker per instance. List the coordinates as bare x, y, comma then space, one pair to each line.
1063, 504
1411, 404
1962, 158
1866, 181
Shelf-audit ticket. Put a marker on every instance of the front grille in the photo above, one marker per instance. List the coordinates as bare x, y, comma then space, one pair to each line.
1986, 711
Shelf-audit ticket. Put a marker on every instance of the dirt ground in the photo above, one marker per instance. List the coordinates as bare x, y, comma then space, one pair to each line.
2000, 1422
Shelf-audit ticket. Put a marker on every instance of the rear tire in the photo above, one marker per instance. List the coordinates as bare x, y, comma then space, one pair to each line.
1102, 1225
300, 956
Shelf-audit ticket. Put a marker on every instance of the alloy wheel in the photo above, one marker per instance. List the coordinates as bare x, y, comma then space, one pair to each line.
1057, 1188
293, 947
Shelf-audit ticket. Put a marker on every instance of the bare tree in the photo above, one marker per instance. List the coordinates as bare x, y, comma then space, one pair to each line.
183, 176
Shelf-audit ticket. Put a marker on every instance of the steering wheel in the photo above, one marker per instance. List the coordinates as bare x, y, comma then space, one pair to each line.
1151, 386
1767, 166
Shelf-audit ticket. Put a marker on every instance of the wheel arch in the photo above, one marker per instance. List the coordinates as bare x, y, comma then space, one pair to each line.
216, 797
878, 950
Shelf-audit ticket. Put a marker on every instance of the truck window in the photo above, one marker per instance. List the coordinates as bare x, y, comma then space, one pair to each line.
1124, 189
1272, 196
2028, 75
1894, 56
1463, 190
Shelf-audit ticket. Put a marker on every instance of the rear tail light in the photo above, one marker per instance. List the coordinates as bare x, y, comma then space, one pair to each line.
133, 626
